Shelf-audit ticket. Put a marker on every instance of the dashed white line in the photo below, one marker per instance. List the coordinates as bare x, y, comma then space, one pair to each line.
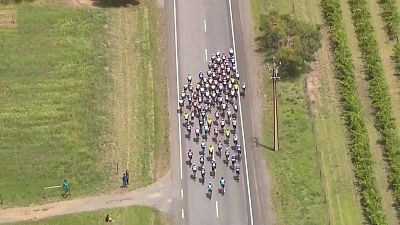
205, 25
241, 120
205, 51
216, 208
183, 214
181, 193
177, 90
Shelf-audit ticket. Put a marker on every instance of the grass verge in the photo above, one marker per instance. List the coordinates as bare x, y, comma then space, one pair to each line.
320, 152
137, 215
52, 85
61, 94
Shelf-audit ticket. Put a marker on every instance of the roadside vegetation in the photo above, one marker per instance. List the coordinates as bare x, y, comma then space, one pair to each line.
137, 215
379, 92
313, 180
293, 43
60, 96
358, 135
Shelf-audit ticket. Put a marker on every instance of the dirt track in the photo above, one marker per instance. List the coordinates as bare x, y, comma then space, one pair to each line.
156, 195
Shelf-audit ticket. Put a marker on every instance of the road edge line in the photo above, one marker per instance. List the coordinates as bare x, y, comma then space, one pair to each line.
177, 90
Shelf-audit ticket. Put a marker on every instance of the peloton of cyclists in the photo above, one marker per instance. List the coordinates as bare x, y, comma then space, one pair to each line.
211, 105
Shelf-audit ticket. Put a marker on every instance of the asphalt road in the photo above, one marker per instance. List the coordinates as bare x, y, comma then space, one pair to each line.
200, 28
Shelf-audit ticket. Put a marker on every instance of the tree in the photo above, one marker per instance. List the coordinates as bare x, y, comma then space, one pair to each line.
292, 42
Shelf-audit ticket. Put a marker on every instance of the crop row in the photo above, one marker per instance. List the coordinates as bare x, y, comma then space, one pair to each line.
391, 17
384, 121
353, 115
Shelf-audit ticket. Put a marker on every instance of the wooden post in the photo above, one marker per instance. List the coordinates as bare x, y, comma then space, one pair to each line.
275, 79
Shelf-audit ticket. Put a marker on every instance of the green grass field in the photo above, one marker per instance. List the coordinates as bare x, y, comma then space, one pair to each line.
122, 216
310, 186
57, 107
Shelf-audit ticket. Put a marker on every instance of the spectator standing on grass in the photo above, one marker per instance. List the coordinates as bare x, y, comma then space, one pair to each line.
66, 188
127, 177
124, 181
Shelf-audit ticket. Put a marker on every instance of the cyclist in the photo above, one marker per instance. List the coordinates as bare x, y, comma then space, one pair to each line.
206, 129
216, 115
235, 139
216, 131
235, 107
190, 155
209, 121
183, 95
234, 123
233, 160
213, 165
231, 52
203, 172
181, 103
192, 115
219, 146
186, 116
210, 189
223, 105
222, 123
237, 170
189, 128
189, 78
222, 182
210, 150
228, 133
203, 146
202, 160
197, 132
194, 169
239, 149
227, 154
229, 113
244, 87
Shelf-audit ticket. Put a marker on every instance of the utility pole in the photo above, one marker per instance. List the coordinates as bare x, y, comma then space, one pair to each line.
275, 79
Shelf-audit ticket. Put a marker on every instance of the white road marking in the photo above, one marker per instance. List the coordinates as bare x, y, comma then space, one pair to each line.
182, 193
216, 208
177, 91
205, 51
183, 214
205, 25
241, 120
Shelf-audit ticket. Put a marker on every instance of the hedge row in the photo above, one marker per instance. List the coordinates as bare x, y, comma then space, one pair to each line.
391, 17
353, 115
384, 121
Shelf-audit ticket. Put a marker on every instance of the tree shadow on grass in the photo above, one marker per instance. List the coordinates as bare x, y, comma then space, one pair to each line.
115, 3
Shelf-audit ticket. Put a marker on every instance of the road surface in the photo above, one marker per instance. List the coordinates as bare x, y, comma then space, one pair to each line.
200, 28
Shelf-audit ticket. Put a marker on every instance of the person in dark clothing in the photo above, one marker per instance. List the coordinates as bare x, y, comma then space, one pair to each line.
127, 177
108, 219
124, 185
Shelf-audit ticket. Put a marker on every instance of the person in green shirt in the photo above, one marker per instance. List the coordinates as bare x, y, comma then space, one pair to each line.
66, 188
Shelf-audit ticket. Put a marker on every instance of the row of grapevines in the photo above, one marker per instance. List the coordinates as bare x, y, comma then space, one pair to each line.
391, 17
397, 57
353, 115
384, 121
